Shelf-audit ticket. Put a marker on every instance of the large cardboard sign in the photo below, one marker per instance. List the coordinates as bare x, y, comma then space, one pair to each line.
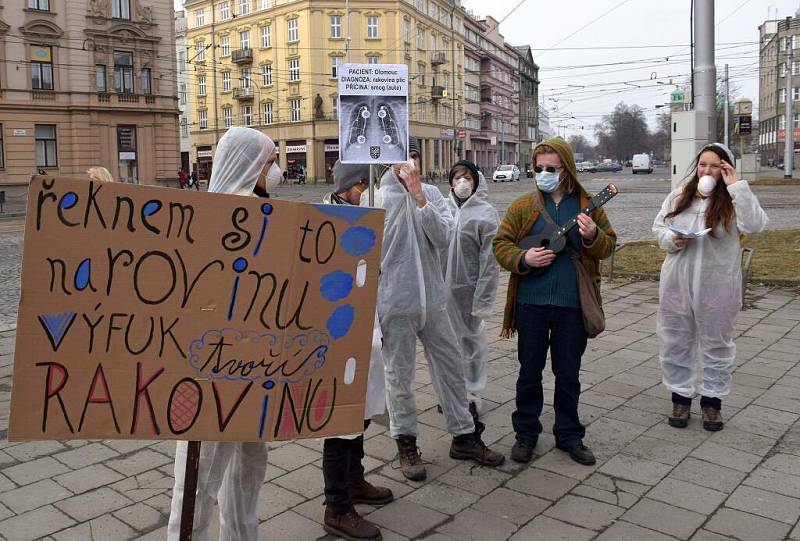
154, 313
373, 113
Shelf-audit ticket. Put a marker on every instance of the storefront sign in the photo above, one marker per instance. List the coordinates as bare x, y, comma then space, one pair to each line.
331, 147
171, 323
373, 113
20, 133
203, 153
291, 149
127, 155
447, 133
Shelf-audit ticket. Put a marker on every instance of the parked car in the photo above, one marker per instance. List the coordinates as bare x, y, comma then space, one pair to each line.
506, 172
586, 167
642, 164
609, 166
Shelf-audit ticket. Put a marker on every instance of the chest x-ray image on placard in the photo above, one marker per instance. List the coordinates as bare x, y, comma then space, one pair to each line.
373, 113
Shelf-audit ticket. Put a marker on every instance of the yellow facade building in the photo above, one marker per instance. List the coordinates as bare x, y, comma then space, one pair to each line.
272, 65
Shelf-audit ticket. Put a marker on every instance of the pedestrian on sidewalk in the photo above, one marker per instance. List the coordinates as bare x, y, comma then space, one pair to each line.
700, 287
543, 303
183, 178
412, 304
230, 473
342, 469
472, 273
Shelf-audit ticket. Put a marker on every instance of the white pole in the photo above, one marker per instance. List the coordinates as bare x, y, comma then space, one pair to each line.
705, 78
788, 151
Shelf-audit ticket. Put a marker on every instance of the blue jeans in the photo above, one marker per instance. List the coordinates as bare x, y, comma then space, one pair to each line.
560, 329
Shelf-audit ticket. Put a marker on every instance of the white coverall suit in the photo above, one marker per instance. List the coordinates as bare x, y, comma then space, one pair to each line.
412, 303
700, 293
230, 473
471, 278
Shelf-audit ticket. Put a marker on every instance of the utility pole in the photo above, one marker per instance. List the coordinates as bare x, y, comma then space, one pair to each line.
347, 38
788, 151
214, 68
727, 105
453, 80
705, 71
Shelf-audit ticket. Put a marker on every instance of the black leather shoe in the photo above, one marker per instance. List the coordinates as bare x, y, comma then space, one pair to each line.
580, 454
522, 451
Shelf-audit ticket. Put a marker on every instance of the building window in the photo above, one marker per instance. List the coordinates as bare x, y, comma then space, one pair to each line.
266, 37
200, 51
266, 72
184, 127
244, 39
294, 34
202, 116
795, 93
420, 74
226, 81
336, 26
120, 9
244, 7
2, 161
182, 93
335, 107
372, 59
433, 43
247, 114
420, 111
294, 69
182, 61
123, 72
41, 68
41, 5
266, 109
225, 45
294, 106
335, 66
224, 11
781, 95
145, 82
245, 79
406, 31
420, 38
126, 148
100, 77
199, 17
201, 85
227, 117
46, 155
372, 27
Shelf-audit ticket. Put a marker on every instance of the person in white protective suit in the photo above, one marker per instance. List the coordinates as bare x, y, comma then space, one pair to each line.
412, 303
230, 473
342, 469
472, 272
701, 279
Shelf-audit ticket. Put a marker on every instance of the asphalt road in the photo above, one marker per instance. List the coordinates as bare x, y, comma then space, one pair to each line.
631, 214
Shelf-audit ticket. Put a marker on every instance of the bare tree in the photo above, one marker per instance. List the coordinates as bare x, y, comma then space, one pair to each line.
581, 145
623, 133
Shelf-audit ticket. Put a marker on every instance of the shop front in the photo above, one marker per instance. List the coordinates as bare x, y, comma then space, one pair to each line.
204, 162
126, 154
331, 155
296, 160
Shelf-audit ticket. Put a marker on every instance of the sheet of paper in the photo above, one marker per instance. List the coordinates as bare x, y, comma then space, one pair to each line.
689, 234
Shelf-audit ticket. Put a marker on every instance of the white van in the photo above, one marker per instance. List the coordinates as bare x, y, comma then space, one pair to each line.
642, 164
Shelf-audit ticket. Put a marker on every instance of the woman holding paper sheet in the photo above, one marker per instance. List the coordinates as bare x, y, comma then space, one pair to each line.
700, 289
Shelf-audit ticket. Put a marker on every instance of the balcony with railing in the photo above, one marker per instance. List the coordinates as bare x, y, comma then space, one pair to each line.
242, 56
437, 92
438, 58
243, 94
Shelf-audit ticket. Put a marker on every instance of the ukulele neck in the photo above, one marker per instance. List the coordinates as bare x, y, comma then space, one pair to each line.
567, 227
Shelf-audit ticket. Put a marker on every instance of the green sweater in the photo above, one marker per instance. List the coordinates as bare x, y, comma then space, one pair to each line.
516, 224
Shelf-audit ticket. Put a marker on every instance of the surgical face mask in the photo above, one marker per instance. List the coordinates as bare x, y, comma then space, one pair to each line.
274, 176
462, 187
706, 185
546, 181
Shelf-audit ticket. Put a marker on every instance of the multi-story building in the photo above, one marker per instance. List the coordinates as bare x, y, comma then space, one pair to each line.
87, 83
544, 127
272, 65
778, 39
182, 80
528, 105
497, 66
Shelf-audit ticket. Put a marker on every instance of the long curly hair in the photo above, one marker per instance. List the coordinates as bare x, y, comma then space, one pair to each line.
720, 207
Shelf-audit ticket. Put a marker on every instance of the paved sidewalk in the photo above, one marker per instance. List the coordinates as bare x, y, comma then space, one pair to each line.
651, 482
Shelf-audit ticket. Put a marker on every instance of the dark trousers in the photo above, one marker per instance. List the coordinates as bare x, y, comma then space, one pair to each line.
561, 330
341, 464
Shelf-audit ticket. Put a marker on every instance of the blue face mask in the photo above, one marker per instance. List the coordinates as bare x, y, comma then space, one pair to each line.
547, 182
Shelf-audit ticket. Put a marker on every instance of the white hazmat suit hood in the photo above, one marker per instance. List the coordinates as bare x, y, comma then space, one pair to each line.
700, 292
230, 473
240, 158
471, 277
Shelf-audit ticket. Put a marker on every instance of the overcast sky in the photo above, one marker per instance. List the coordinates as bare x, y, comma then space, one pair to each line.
641, 38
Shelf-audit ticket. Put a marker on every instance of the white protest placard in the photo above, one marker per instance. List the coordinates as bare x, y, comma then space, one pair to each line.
373, 113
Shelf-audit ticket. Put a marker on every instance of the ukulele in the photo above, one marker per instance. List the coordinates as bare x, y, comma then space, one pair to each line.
554, 237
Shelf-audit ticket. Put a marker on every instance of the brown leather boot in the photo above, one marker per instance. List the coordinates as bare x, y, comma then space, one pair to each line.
471, 447
680, 415
350, 525
410, 459
712, 419
362, 491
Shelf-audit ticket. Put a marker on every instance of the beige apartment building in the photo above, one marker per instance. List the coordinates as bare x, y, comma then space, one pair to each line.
87, 83
272, 65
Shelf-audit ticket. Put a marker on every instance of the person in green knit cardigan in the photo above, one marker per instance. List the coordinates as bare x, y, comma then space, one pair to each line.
543, 304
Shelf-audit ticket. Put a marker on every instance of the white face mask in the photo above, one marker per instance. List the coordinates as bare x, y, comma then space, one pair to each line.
706, 185
364, 202
274, 176
462, 187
